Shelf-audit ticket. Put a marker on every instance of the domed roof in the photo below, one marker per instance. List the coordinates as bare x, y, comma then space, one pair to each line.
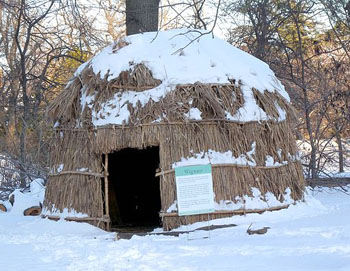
179, 57
184, 56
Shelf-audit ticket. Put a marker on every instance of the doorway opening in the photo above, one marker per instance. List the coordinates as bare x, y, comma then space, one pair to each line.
134, 190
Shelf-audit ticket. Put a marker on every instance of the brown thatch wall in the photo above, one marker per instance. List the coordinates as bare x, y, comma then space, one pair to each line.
71, 186
83, 149
77, 144
181, 140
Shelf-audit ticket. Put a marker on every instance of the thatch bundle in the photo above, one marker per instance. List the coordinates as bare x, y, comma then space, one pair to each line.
78, 173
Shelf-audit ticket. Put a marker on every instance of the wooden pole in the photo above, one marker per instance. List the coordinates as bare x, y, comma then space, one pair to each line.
108, 224
234, 212
163, 172
71, 172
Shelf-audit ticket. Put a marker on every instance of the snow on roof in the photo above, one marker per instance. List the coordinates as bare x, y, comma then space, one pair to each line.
184, 56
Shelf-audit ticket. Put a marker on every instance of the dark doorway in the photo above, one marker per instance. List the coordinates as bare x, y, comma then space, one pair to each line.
134, 193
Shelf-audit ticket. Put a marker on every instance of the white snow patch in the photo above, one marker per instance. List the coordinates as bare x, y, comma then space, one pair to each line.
34, 197
294, 157
65, 213
81, 68
37, 189
250, 111
157, 120
215, 157
86, 99
116, 111
7, 205
336, 175
207, 60
282, 114
270, 162
254, 202
279, 153
194, 114
172, 208
84, 169
59, 168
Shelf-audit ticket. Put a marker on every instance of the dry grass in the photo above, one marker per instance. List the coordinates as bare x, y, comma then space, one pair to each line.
82, 193
176, 137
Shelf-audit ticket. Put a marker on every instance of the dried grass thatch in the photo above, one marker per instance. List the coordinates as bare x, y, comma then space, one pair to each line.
79, 145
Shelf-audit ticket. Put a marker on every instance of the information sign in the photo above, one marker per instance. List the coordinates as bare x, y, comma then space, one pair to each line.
194, 188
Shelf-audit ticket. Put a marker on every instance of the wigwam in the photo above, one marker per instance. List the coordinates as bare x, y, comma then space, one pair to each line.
154, 101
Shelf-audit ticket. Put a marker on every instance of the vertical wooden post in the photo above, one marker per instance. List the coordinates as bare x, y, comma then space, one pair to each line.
108, 224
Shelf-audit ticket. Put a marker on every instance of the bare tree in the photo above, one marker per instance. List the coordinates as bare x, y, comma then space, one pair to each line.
195, 14
33, 45
257, 29
141, 16
338, 14
283, 34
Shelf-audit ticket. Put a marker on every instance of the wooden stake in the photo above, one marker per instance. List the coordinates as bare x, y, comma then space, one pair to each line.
108, 224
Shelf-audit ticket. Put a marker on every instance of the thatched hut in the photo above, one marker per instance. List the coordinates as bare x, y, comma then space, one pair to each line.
154, 101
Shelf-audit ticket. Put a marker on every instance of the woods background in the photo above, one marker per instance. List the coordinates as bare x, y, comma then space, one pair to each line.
306, 43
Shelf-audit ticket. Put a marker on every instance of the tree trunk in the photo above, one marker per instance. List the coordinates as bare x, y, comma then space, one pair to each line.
22, 153
340, 151
141, 16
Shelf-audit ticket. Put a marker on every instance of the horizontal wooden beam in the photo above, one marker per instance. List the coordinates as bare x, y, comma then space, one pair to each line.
77, 219
185, 122
164, 172
233, 212
73, 172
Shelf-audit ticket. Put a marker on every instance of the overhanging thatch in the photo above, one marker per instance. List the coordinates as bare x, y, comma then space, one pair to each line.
78, 145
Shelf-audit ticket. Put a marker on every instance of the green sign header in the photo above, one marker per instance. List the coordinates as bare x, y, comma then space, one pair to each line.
192, 170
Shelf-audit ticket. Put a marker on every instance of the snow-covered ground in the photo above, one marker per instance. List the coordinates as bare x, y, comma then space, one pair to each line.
308, 236
327, 156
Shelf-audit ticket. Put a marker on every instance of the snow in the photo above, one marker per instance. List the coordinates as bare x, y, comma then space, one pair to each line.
85, 99
215, 157
206, 60
337, 175
270, 162
60, 168
281, 113
65, 213
37, 189
172, 208
57, 169
7, 205
250, 111
328, 156
84, 169
254, 202
34, 197
181, 57
116, 111
257, 201
194, 114
307, 236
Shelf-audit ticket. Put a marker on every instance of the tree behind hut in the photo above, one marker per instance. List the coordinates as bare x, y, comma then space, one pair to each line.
141, 16
312, 63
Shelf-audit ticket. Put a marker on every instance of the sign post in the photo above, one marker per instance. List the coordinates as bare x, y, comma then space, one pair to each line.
194, 189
